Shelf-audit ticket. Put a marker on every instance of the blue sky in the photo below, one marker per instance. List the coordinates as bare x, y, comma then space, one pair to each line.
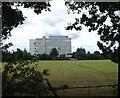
52, 23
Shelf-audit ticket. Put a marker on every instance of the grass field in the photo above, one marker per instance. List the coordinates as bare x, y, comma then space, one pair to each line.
80, 73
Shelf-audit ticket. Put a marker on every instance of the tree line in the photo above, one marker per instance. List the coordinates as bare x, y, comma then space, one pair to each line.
79, 54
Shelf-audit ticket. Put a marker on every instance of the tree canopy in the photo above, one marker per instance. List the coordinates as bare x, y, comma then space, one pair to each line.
98, 13
80, 53
54, 52
12, 16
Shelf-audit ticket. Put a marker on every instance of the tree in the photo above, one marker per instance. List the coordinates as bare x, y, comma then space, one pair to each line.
54, 53
15, 56
12, 17
44, 57
26, 55
88, 52
73, 54
6, 56
99, 12
23, 80
80, 53
97, 55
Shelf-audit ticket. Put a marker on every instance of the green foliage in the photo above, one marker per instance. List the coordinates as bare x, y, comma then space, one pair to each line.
44, 57
96, 56
6, 56
63, 57
80, 53
18, 55
54, 53
23, 79
115, 58
6, 46
98, 13
12, 16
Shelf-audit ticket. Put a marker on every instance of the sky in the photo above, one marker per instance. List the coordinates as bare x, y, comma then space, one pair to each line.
52, 23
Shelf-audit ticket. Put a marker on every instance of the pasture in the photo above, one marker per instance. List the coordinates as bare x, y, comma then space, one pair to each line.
78, 73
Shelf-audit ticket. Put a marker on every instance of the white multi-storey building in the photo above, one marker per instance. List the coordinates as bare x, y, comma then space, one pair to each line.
44, 45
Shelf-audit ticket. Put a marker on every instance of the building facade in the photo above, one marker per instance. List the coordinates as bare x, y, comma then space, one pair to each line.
44, 45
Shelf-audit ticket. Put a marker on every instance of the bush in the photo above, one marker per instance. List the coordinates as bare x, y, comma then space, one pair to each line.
23, 80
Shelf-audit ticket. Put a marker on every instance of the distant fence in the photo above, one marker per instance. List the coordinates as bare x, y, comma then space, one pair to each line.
103, 90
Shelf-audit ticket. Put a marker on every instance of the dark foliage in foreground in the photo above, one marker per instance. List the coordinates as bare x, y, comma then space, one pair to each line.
23, 79
94, 20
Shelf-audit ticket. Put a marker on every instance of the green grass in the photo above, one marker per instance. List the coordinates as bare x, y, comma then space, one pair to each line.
82, 73
78, 73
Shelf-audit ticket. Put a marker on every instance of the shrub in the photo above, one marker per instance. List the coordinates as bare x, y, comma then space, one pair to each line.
23, 79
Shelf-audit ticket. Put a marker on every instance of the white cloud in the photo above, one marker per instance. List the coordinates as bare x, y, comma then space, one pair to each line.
51, 23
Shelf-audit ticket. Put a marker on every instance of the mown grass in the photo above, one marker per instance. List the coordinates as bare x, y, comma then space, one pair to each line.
80, 73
